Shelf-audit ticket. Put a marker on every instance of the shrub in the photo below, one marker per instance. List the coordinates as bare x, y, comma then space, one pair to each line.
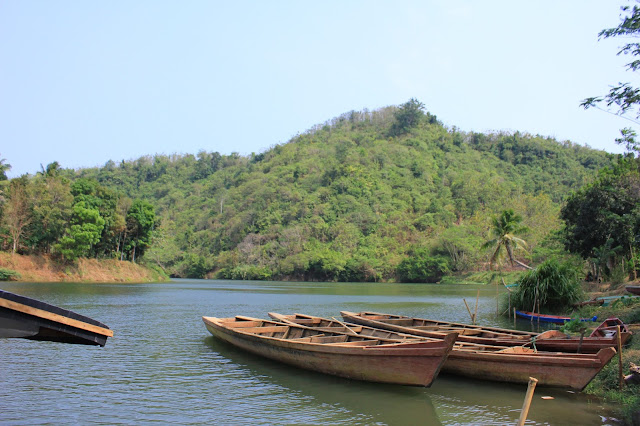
422, 268
8, 275
555, 285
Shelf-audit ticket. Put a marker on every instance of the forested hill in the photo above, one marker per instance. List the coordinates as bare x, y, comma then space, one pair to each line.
367, 196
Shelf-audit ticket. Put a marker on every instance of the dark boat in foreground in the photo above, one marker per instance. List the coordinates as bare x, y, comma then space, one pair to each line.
557, 319
414, 362
23, 317
551, 340
487, 362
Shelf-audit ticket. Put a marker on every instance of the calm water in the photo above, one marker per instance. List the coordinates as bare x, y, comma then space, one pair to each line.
162, 366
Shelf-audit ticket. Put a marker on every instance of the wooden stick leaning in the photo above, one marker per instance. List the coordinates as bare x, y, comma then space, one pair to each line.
621, 377
469, 310
527, 401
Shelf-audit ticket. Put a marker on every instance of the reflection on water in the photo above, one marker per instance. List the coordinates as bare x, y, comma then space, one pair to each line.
163, 366
340, 399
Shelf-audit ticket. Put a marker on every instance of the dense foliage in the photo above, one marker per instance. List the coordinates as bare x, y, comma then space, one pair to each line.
553, 285
603, 220
55, 212
385, 195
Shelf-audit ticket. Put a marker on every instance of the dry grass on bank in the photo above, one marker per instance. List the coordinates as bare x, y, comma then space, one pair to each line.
46, 269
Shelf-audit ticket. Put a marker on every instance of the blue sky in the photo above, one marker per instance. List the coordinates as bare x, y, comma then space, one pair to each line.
84, 82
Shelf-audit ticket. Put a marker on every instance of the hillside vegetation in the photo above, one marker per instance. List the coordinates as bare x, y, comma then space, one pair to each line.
390, 194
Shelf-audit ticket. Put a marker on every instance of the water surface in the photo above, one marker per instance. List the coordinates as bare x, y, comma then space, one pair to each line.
162, 366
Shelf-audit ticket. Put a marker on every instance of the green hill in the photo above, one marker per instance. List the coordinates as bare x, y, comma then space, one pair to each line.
366, 196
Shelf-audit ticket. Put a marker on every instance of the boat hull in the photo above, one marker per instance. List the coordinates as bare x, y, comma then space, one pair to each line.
552, 369
590, 345
557, 319
416, 364
23, 317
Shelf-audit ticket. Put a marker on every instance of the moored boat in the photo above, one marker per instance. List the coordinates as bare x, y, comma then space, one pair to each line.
609, 328
27, 318
551, 340
558, 319
634, 289
492, 362
414, 362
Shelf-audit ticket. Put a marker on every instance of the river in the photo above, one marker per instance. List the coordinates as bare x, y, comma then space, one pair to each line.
163, 367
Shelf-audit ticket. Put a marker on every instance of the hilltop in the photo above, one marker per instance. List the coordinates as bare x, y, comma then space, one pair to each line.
390, 194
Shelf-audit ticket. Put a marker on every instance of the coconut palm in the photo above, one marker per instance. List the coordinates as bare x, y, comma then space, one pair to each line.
505, 229
4, 168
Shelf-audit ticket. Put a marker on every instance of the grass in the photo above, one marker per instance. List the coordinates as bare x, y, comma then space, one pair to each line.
47, 269
606, 384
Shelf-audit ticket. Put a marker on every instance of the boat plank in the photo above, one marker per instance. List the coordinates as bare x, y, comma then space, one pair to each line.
40, 313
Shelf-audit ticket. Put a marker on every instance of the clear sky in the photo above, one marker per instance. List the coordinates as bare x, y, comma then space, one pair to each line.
83, 82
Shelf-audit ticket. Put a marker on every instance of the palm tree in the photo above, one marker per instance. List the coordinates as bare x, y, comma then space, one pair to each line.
4, 167
505, 228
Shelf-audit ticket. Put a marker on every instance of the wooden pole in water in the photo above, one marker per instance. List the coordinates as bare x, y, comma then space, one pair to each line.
497, 299
475, 313
527, 401
468, 310
514, 317
619, 357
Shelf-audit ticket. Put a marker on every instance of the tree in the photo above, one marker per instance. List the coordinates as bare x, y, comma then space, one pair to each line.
624, 96
84, 233
17, 214
602, 219
4, 167
407, 116
141, 220
505, 229
52, 209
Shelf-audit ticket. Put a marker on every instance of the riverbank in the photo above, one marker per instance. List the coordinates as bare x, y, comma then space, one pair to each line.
47, 269
606, 384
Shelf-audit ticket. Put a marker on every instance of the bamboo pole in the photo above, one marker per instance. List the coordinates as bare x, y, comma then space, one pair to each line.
527, 401
468, 310
497, 299
619, 357
475, 313
514, 317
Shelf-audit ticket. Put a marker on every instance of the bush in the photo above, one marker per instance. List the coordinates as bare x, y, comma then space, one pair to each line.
8, 275
423, 268
555, 285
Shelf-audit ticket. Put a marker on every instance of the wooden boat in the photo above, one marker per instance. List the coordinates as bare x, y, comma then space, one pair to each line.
558, 319
634, 289
551, 340
27, 318
609, 328
490, 362
415, 362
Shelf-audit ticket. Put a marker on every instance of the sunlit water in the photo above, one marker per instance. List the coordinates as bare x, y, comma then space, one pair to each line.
162, 366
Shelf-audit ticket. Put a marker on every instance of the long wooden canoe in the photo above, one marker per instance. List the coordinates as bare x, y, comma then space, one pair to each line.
514, 364
557, 319
32, 319
416, 362
551, 340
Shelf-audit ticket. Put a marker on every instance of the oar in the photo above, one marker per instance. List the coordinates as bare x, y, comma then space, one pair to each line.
353, 333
